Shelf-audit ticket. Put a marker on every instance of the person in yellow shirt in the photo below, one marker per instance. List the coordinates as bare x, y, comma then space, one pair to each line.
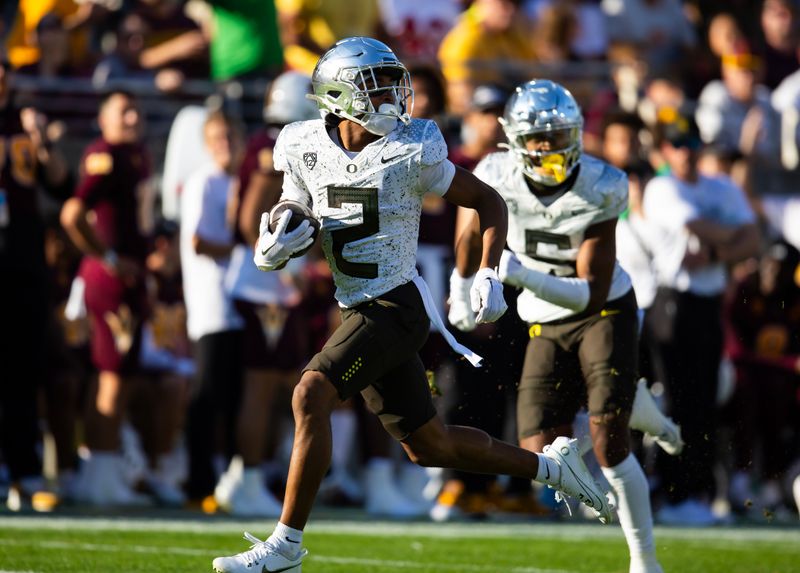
21, 41
490, 44
310, 27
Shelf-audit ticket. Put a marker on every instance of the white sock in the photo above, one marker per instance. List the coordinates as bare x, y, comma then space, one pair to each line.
549, 471
288, 540
633, 506
343, 431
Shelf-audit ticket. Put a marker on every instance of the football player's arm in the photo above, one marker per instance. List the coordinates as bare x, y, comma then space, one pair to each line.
597, 258
468, 247
595, 268
466, 190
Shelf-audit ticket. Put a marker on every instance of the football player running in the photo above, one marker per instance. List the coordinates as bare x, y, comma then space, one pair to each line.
577, 300
363, 169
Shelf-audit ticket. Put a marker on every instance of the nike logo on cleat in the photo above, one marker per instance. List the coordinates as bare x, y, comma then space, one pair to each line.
265, 570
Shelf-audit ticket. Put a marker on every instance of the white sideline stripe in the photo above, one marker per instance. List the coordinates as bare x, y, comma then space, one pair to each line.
574, 532
9, 571
112, 548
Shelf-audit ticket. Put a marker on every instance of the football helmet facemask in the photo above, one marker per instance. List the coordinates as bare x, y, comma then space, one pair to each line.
544, 128
356, 69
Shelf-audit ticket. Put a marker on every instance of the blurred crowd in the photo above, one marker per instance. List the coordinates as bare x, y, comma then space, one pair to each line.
146, 361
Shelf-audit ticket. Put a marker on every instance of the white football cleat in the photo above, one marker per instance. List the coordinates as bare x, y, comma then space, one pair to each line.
647, 418
262, 557
576, 481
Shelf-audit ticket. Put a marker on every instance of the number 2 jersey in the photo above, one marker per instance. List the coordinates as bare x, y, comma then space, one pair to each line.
547, 234
368, 203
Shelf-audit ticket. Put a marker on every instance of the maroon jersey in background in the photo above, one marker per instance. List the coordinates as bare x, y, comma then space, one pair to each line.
109, 187
257, 159
109, 182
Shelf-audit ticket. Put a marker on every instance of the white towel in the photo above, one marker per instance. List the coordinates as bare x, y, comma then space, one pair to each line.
433, 314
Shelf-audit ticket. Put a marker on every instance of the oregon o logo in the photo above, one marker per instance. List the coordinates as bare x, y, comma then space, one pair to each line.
351, 168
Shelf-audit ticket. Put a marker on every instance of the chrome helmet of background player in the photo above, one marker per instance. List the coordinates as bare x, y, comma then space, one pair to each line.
286, 99
544, 128
356, 69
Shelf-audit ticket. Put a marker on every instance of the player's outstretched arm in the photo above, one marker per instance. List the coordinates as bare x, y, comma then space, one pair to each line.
486, 293
595, 268
466, 190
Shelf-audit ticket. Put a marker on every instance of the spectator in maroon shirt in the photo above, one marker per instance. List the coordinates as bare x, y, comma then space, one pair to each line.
102, 220
762, 322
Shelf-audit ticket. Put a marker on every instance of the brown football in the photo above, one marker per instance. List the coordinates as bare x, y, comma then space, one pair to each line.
300, 213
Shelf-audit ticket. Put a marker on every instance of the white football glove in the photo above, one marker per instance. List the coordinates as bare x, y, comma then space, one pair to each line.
460, 314
274, 249
486, 296
511, 270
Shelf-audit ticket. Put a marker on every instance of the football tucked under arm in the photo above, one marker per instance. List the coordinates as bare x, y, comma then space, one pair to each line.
300, 213
277, 243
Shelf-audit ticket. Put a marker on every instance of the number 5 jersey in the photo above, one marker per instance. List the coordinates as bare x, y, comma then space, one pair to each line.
546, 233
369, 203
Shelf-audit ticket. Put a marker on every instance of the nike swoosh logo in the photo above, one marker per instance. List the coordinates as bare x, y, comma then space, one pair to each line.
389, 159
547, 471
265, 570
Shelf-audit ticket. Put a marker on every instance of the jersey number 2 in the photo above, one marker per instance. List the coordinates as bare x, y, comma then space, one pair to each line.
367, 197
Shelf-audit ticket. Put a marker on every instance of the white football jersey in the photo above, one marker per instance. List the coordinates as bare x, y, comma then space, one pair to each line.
547, 236
369, 205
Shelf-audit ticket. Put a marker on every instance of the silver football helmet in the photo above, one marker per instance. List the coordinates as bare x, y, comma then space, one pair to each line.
348, 74
544, 128
286, 101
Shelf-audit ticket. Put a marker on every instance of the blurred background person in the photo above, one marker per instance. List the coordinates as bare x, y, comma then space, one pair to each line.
762, 311
781, 33
158, 407
490, 43
208, 222
28, 162
699, 225
415, 28
309, 27
103, 219
658, 29
735, 114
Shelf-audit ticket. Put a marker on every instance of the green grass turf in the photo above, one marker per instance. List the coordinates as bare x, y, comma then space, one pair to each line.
43, 545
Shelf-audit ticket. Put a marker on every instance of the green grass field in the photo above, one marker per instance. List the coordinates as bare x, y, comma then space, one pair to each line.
31, 544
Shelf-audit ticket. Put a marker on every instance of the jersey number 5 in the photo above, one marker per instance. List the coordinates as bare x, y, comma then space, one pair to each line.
367, 197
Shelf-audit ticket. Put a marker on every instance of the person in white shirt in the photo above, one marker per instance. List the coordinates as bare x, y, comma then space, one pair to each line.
363, 169
214, 327
698, 225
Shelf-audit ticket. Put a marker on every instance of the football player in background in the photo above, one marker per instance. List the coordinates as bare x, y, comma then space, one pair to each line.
577, 300
364, 169
104, 220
